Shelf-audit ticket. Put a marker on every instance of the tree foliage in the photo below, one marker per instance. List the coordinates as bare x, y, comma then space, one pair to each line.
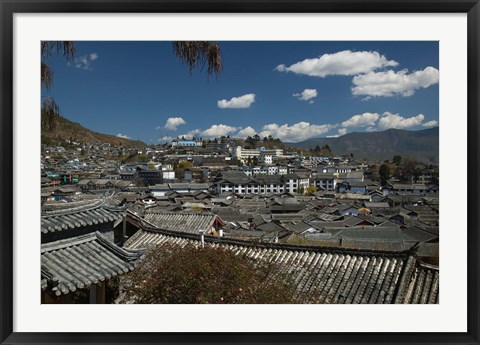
311, 189
397, 159
384, 172
191, 275
180, 167
185, 164
138, 181
409, 170
324, 151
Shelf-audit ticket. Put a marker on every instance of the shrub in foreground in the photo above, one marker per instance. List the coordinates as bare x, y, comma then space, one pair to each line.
172, 274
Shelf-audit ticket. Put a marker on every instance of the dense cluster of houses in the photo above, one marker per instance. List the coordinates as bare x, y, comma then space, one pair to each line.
343, 237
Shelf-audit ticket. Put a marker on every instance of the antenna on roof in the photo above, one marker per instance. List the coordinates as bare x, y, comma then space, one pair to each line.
202, 237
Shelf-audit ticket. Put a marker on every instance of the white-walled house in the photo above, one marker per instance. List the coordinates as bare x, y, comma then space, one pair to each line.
266, 158
326, 181
165, 188
263, 184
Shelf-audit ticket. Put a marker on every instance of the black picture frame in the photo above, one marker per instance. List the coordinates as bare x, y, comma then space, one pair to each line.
10, 7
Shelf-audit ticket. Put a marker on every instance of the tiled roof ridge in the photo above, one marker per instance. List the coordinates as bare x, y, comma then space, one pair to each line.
101, 203
182, 213
124, 253
342, 250
362, 239
428, 266
77, 263
88, 207
60, 244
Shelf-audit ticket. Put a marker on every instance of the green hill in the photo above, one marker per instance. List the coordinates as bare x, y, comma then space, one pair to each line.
68, 130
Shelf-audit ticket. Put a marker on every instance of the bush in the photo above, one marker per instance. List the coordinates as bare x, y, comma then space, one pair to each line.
171, 274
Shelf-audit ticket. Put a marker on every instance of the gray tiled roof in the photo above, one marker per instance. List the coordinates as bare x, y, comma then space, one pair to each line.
324, 276
372, 233
181, 222
376, 204
245, 203
198, 186
174, 186
93, 213
420, 284
77, 263
329, 224
417, 234
287, 216
297, 227
229, 214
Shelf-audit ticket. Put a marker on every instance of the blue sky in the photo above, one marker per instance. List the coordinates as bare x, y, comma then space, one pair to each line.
290, 90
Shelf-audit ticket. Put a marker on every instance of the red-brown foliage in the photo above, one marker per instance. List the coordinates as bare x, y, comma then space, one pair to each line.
169, 274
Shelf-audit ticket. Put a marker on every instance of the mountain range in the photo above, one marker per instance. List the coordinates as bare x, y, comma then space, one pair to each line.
422, 145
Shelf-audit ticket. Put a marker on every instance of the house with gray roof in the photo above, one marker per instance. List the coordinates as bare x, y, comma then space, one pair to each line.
73, 219
184, 222
77, 269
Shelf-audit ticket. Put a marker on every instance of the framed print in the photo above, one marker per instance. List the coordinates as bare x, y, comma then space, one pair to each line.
245, 172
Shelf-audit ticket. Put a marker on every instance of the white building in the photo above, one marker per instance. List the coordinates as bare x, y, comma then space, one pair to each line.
168, 174
164, 188
243, 154
266, 158
187, 143
264, 184
326, 181
273, 170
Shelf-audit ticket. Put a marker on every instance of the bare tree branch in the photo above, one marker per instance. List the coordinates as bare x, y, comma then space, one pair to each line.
67, 48
47, 75
50, 113
197, 53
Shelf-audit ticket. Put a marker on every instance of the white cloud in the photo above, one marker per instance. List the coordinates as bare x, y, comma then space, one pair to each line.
371, 129
165, 139
390, 83
342, 63
389, 120
84, 62
216, 131
306, 95
172, 123
432, 123
342, 131
240, 102
124, 136
246, 132
296, 132
190, 134
363, 120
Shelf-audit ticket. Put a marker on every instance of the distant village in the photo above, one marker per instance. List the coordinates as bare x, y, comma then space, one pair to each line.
348, 230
